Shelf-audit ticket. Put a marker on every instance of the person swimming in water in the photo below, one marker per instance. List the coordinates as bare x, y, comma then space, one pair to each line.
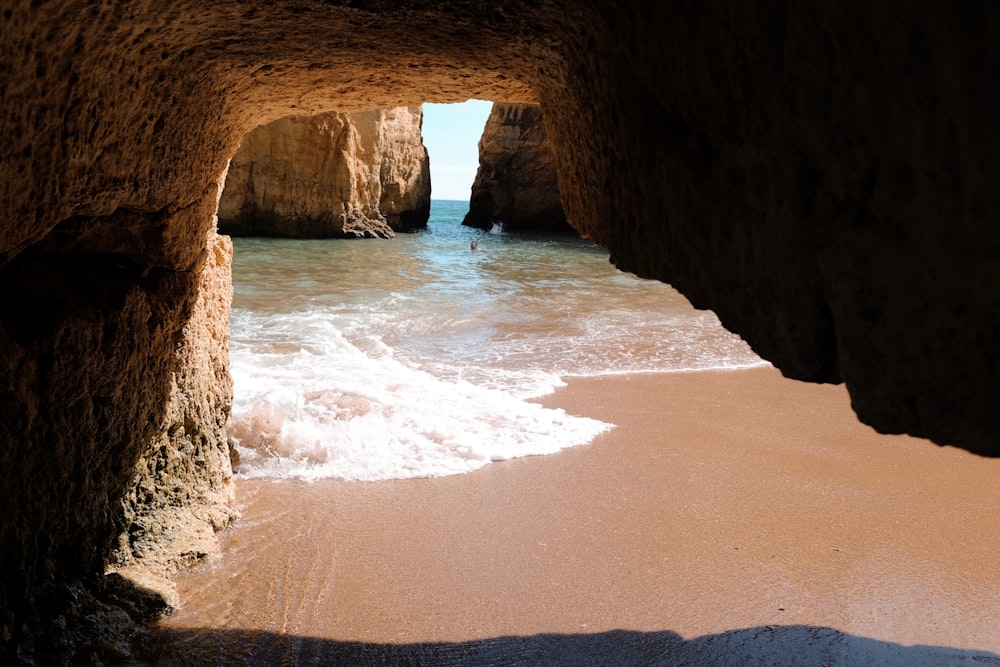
474, 246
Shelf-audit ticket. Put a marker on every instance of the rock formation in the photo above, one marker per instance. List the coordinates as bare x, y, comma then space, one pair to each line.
331, 175
821, 175
516, 182
182, 489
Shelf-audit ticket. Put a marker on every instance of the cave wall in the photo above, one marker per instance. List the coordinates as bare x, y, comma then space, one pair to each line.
182, 491
516, 183
818, 176
333, 175
822, 176
96, 347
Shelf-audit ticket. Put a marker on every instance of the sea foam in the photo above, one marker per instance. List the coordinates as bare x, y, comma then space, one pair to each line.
317, 406
416, 357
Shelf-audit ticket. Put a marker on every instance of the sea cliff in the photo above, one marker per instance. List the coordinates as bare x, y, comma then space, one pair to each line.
344, 175
516, 183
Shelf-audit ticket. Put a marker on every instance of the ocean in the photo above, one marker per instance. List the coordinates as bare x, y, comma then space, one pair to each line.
418, 356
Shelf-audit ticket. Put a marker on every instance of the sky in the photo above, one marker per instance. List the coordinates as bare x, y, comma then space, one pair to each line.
451, 134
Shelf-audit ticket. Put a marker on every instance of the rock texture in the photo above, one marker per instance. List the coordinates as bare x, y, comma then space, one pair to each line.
822, 175
404, 170
182, 487
331, 175
516, 183
118, 366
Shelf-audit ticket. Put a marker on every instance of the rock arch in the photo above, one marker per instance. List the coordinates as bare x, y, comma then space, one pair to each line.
822, 177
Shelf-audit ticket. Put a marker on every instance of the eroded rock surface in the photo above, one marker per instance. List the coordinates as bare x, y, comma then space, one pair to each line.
516, 184
821, 175
118, 366
331, 175
182, 489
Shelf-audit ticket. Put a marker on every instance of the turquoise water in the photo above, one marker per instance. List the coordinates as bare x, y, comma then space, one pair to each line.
415, 356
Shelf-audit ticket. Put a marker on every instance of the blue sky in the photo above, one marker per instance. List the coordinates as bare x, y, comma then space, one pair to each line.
451, 133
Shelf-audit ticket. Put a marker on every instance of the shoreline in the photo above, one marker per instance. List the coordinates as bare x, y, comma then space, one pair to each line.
726, 511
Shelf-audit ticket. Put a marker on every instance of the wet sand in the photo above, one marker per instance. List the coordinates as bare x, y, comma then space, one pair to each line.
730, 518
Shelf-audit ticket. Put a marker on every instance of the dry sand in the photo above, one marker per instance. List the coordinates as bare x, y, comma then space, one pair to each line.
730, 518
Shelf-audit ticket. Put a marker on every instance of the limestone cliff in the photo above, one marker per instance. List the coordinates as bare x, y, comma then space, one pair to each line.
516, 182
330, 175
404, 168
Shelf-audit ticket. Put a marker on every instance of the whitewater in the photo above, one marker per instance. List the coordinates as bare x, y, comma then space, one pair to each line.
417, 356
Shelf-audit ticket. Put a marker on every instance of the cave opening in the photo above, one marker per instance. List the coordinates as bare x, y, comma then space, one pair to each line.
451, 133
422, 355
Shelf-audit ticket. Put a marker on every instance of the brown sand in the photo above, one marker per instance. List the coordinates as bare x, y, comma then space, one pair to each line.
729, 517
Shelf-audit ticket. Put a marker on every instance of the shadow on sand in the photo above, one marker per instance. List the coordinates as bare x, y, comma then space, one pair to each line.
770, 645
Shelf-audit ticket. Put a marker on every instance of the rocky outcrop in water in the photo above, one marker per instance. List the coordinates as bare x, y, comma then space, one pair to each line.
821, 175
331, 175
516, 184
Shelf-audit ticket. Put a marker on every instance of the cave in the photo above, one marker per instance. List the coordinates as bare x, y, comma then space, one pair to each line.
822, 177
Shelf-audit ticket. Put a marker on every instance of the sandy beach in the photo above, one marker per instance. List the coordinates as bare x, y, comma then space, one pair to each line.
730, 518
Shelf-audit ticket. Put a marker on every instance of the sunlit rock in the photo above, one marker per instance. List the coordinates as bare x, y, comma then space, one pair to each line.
331, 175
516, 185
